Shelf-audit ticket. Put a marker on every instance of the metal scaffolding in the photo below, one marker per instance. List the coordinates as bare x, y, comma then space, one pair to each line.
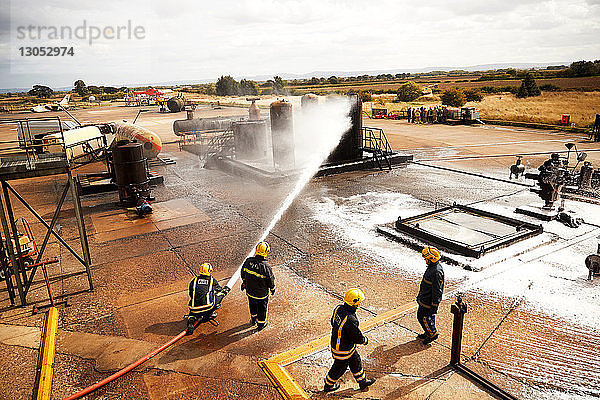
24, 158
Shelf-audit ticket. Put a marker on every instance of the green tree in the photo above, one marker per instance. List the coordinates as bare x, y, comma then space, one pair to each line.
278, 86
248, 87
528, 87
409, 91
80, 87
472, 94
332, 80
227, 86
41, 91
454, 97
94, 90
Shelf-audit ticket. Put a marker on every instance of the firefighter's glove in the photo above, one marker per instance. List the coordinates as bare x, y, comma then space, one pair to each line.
243, 287
225, 291
272, 291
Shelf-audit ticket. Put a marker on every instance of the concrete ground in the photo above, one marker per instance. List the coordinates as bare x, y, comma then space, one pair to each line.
515, 334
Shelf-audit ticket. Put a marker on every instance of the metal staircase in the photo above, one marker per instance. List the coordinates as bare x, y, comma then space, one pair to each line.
375, 142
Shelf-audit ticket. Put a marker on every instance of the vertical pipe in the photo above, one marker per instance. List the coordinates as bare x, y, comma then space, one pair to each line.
11, 253
81, 226
459, 309
15, 232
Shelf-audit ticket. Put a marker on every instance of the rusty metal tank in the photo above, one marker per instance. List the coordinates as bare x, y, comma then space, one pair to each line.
131, 175
350, 146
250, 139
309, 100
193, 126
282, 134
175, 104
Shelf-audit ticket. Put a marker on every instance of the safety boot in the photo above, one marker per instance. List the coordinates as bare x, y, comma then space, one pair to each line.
422, 336
365, 383
190, 326
252, 321
330, 388
260, 327
431, 339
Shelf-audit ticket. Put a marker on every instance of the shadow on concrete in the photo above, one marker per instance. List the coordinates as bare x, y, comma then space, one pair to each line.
201, 344
386, 359
171, 328
437, 375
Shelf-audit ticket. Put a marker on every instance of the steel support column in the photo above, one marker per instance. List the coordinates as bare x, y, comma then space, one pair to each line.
11, 253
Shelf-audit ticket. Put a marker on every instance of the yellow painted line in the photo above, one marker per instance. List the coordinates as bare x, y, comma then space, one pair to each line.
285, 384
45, 367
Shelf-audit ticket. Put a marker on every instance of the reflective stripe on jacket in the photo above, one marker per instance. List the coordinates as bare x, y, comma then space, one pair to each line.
432, 286
202, 292
345, 333
258, 277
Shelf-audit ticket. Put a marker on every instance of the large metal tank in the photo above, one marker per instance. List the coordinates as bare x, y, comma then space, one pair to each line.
250, 139
175, 104
308, 101
195, 126
282, 134
350, 146
131, 175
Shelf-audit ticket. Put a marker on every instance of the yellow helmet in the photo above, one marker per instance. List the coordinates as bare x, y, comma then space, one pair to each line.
354, 297
262, 249
431, 254
205, 269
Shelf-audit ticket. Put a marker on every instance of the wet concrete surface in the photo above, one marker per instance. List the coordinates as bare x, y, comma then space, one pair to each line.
141, 279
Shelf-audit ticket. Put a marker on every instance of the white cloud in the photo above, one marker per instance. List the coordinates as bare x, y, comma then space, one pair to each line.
204, 39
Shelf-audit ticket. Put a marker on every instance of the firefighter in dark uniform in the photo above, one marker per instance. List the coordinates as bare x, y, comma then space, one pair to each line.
205, 297
430, 294
258, 281
345, 335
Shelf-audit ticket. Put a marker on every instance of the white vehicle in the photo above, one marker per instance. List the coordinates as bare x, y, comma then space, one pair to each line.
64, 103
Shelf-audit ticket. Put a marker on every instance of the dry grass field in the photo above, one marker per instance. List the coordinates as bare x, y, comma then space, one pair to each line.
547, 108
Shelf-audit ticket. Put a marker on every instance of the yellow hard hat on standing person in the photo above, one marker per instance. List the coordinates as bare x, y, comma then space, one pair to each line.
262, 249
431, 254
205, 269
354, 297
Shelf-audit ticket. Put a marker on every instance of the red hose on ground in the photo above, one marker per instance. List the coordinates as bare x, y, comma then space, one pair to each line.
127, 369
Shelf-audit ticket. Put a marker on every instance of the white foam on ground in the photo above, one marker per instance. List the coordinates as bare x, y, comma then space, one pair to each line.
555, 284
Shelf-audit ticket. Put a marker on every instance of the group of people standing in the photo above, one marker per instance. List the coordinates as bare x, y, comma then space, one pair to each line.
427, 115
259, 283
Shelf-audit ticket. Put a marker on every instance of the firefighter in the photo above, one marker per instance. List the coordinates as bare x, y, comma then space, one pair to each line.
430, 294
345, 335
258, 281
205, 297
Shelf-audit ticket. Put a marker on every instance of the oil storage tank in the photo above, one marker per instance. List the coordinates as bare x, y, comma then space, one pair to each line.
175, 104
350, 146
131, 175
250, 139
282, 134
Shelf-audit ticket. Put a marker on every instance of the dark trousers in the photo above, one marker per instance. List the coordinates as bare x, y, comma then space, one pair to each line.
427, 320
258, 310
339, 367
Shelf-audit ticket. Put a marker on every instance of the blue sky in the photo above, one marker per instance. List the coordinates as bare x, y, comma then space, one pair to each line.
195, 40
